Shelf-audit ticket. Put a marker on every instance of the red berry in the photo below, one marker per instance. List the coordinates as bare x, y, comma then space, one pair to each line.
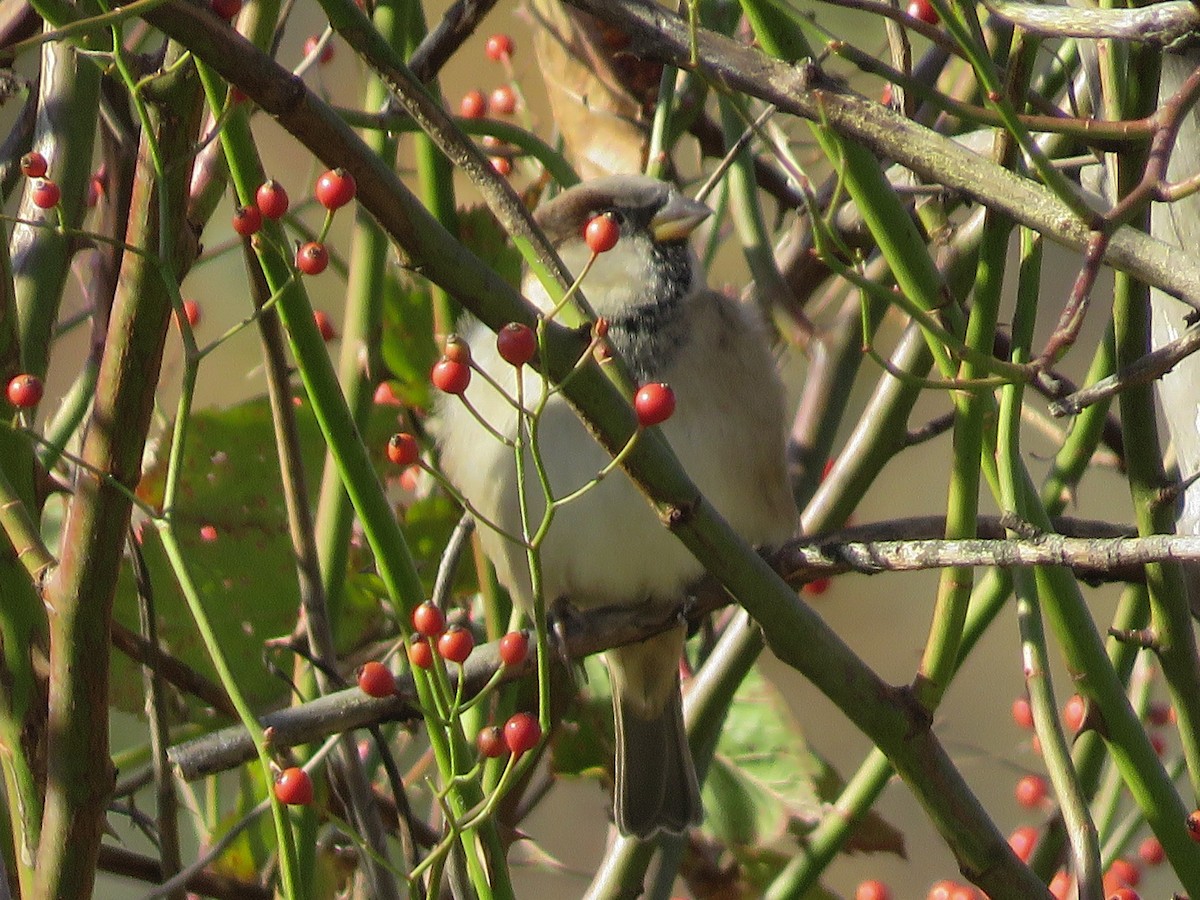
310, 44
1022, 841
457, 349
885, 96
962, 892
1022, 713
1193, 825
456, 644
503, 101
33, 165
499, 47
410, 479
817, 586
272, 199
428, 620
208, 533
516, 343
872, 890
312, 258
191, 312
601, 233
247, 220
294, 787
1060, 885
324, 325
227, 9
450, 376
403, 450
1073, 713
45, 193
335, 189
94, 193
502, 165
375, 680
654, 403
25, 391
1151, 852
1160, 713
923, 10
420, 654
473, 105
1159, 743
1123, 873
490, 741
385, 396
1124, 893
514, 647
522, 733
941, 890
1031, 791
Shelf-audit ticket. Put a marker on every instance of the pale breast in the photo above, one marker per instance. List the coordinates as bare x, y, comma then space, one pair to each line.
607, 546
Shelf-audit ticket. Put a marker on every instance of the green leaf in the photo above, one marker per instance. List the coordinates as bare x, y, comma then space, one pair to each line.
231, 522
428, 523
583, 742
483, 235
406, 344
762, 781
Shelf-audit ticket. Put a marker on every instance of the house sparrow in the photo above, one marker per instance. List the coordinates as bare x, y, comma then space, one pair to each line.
607, 546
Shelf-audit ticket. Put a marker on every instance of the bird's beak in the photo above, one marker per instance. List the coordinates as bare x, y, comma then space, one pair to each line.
678, 218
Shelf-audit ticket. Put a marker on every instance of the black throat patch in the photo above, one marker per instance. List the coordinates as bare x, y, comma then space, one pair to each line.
651, 333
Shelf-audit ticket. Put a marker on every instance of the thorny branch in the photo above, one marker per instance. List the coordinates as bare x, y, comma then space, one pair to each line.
1149, 368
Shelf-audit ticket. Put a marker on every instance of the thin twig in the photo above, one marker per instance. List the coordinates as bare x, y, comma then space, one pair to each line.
458, 24
156, 708
120, 861
1149, 368
450, 556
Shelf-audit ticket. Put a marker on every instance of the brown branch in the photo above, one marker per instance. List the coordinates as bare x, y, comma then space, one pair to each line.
458, 24
120, 861
80, 593
1088, 558
1149, 368
172, 669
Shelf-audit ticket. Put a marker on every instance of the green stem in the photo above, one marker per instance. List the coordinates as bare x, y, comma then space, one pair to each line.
954, 586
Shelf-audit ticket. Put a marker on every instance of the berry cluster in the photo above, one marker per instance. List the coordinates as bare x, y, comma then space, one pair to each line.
520, 734
45, 192
1033, 792
334, 189
502, 101
455, 642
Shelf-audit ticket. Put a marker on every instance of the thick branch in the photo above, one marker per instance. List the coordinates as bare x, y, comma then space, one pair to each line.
1157, 24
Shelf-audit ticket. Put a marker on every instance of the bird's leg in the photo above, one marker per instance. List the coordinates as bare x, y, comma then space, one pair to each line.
562, 618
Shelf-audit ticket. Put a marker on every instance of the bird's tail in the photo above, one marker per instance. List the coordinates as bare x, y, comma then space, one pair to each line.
656, 786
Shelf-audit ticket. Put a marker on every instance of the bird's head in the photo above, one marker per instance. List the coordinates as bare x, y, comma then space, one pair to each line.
642, 284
